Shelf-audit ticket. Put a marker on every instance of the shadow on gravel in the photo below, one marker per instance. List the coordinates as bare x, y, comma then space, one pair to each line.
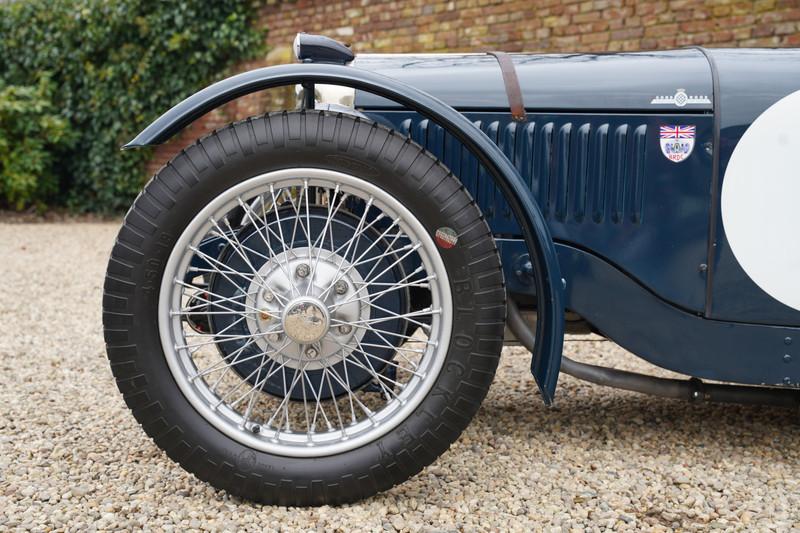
627, 420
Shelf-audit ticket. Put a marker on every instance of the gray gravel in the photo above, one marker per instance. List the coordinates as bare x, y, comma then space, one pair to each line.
73, 458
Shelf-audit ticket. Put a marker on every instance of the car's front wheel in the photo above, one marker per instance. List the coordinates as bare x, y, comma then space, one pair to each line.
304, 308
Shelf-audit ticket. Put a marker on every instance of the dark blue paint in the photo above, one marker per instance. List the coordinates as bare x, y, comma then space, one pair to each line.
602, 184
550, 82
666, 336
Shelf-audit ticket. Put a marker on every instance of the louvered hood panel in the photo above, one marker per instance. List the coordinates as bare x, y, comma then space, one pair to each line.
581, 172
603, 184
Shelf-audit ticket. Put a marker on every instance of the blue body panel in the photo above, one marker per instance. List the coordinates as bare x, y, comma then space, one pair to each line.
664, 251
640, 239
550, 82
670, 338
602, 184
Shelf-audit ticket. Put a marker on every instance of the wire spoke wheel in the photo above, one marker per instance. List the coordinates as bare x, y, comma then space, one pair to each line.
299, 270
304, 308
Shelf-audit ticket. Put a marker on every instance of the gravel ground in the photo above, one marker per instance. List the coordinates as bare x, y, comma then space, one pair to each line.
72, 457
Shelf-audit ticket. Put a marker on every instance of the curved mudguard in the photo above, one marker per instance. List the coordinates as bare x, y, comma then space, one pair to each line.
546, 360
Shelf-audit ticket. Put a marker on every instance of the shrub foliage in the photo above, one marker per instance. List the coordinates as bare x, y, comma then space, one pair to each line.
31, 135
114, 66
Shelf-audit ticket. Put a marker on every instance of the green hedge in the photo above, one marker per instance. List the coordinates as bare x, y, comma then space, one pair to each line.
32, 134
114, 66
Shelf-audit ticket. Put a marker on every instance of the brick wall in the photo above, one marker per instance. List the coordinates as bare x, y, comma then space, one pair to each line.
513, 26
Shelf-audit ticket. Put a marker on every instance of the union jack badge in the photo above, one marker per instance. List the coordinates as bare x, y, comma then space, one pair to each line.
677, 142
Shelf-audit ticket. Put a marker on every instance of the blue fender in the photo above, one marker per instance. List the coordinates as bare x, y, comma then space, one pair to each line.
546, 361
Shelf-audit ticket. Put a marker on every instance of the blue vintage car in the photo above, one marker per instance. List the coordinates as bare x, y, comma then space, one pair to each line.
307, 307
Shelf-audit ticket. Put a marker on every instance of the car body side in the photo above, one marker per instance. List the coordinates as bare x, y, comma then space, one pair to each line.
640, 240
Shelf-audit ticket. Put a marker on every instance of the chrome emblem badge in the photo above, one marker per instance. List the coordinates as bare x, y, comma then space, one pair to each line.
680, 99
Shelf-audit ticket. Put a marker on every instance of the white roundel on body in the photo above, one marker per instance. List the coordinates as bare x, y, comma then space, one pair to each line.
761, 201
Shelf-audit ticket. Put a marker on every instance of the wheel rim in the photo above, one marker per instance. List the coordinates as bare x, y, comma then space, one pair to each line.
304, 327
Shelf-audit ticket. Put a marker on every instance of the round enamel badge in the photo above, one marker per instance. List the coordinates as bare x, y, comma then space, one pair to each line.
446, 237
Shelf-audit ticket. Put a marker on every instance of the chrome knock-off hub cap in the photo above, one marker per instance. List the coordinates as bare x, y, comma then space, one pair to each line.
301, 309
305, 320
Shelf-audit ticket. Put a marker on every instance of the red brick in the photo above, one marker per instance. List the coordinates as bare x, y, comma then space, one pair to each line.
585, 17
698, 25
661, 30
763, 30
627, 33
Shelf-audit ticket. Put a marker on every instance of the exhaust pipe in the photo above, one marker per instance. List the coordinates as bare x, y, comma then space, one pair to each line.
693, 390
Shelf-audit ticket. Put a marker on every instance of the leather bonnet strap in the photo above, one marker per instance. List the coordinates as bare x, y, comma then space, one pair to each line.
511, 81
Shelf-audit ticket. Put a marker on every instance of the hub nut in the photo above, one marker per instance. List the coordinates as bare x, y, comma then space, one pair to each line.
268, 295
302, 270
340, 287
274, 337
345, 329
311, 352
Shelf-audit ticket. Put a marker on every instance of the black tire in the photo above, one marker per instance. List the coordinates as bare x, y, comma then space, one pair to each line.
217, 162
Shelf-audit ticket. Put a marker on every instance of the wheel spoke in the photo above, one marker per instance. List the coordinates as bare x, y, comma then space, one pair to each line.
318, 409
308, 218
223, 274
286, 249
264, 238
367, 411
379, 333
361, 346
286, 396
401, 284
251, 401
238, 247
334, 400
321, 239
356, 234
228, 367
298, 220
407, 338
305, 402
200, 270
394, 316
378, 377
241, 383
376, 258
222, 364
349, 268
218, 297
